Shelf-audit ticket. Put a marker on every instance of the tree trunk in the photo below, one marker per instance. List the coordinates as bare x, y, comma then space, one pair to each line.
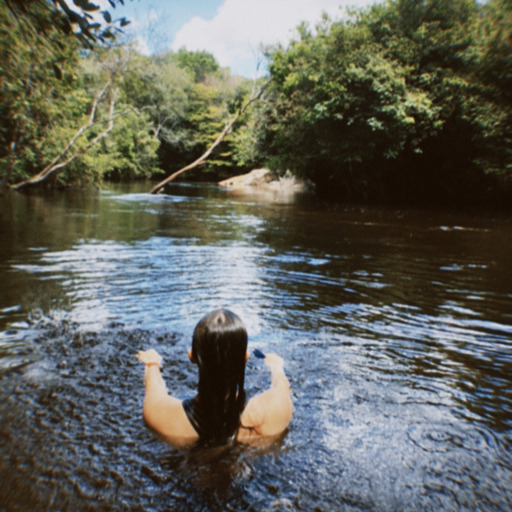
202, 159
54, 165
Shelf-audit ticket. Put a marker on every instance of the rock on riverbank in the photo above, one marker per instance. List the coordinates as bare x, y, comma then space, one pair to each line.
262, 180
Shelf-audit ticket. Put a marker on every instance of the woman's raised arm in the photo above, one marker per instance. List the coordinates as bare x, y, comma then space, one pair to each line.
161, 411
269, 413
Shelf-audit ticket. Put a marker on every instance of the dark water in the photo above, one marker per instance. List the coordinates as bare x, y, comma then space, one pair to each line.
396, 328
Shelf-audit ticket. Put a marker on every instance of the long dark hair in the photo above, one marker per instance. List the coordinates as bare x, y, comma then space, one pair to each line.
219, 347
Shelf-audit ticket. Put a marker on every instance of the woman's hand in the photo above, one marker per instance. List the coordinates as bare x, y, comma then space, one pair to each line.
149, 356
274, 361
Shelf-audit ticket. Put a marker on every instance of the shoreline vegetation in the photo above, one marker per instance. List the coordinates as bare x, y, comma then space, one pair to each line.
406, 102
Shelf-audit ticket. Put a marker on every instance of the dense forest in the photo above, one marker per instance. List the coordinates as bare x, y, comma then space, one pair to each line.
407, 101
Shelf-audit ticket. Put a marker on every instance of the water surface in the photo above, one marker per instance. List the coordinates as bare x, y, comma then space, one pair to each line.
396, 328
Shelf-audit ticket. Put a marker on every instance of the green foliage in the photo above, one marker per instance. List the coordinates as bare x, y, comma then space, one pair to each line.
244, 143
106, 114
32, 95
156, 86
129, 153
193, 100
200, 64
44, 111
405, 100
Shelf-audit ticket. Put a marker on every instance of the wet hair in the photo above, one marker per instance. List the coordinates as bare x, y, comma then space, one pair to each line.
219, 346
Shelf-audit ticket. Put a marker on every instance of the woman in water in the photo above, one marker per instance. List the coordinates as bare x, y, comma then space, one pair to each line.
219, 411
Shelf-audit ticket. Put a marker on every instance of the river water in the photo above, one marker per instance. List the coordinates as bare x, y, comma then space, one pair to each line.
395, 325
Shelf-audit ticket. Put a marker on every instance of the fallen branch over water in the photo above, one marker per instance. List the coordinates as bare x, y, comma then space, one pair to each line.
57, 164
202, 159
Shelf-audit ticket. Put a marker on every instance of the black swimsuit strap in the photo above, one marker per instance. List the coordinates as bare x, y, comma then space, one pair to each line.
194, 415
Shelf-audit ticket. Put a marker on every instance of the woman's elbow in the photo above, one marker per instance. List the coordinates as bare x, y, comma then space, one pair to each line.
283, 415
288, 411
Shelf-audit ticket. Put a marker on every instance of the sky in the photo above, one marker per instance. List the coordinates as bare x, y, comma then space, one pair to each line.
234, 31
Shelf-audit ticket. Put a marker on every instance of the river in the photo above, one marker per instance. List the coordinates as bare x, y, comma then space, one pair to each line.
395, 326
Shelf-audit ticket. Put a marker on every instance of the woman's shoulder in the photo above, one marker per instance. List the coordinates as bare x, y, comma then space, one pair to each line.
180, 431
267, 414
168, 417
253, 415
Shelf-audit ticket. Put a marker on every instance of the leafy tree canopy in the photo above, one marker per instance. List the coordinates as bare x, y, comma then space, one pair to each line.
408, 100
71, 117
405, 100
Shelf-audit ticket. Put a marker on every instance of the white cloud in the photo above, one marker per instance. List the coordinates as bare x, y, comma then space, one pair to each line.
240, 27
153, 15
141, 46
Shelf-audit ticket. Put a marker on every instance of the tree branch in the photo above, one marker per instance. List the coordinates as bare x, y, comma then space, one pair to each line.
54, 165
202, 159
81, 130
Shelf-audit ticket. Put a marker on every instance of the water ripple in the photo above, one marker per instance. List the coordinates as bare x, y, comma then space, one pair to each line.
395, 329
